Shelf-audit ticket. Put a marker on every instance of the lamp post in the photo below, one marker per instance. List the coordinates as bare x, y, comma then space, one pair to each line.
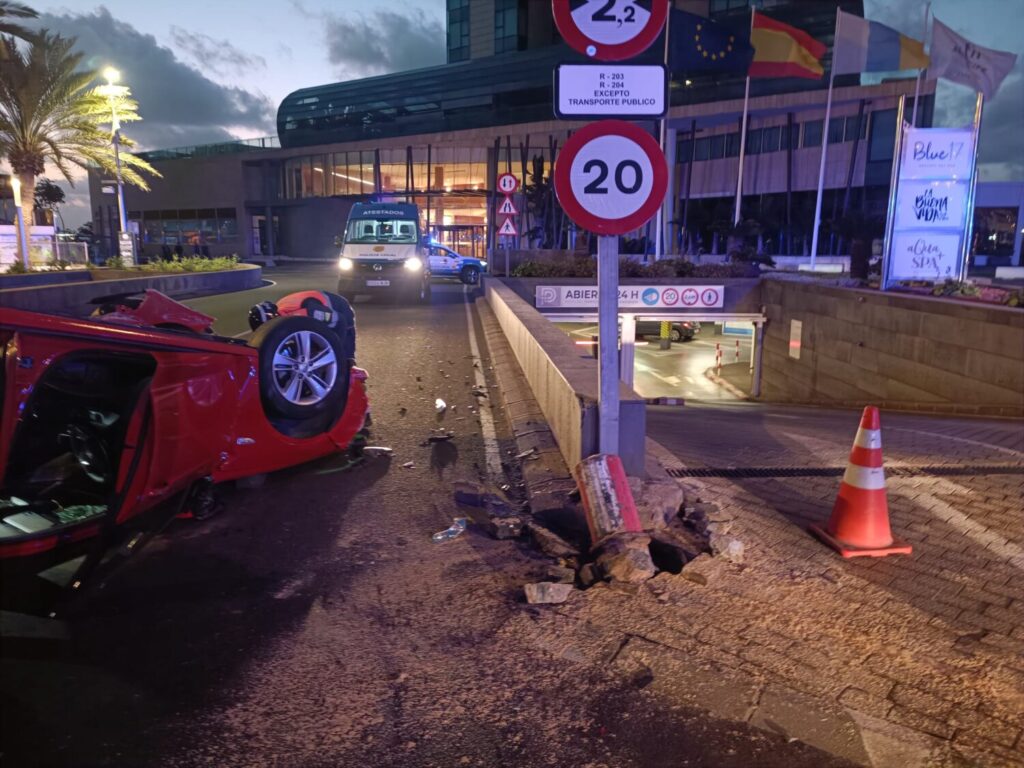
113, 92
22, 234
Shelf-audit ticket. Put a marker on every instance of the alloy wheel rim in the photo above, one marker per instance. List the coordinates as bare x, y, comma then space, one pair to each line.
305, 368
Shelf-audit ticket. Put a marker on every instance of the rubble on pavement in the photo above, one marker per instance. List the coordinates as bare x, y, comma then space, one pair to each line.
547, 592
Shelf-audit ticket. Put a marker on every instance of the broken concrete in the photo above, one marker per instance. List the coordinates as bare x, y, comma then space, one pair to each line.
627, 559
726, 547
658, 501
547, 592
505, 527
550, 542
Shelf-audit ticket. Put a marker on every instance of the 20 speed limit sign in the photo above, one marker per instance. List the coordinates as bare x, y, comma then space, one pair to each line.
611, 177
610, 30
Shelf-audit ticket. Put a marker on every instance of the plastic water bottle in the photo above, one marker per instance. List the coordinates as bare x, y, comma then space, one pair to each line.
455, 529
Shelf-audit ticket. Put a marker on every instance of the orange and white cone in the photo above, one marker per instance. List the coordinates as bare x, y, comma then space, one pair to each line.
859, 526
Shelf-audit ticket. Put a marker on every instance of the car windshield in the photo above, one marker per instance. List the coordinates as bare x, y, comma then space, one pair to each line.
381, 231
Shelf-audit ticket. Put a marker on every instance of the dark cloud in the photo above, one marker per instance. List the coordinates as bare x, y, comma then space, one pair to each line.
385, 41
217, 56
178, 104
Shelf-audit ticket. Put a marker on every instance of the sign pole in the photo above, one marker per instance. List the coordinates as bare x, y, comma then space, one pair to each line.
608, 342
969, 213
890, 217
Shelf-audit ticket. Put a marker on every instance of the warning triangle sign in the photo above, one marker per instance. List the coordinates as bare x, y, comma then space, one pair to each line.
508, 228
507, 208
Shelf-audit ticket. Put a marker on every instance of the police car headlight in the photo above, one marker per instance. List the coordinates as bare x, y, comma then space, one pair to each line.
483, 264
413, 264
345, 264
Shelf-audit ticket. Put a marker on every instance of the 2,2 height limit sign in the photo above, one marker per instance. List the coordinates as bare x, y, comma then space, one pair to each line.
610, 30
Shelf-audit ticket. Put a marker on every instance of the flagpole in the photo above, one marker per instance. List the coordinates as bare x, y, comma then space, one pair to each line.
965, 250
659, 238
824, 147
920, 72
743, 138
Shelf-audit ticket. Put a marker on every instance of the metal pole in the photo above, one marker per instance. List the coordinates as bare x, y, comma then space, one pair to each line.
22, 237
894, 178
920, 72
743, 146
659, 236
965, 250
821, 170
608, 338
755, 389
627, 357
753, 344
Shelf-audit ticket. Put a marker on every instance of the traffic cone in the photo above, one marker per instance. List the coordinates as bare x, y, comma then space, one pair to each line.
859, 526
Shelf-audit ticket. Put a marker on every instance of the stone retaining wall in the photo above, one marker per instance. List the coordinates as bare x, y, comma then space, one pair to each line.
893, 350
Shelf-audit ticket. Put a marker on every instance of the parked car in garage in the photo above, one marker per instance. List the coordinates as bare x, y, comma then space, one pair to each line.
444, 262
679, 330
112, 425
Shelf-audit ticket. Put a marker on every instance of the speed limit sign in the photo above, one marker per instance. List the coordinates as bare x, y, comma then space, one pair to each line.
611, 177
507, 183
610, 30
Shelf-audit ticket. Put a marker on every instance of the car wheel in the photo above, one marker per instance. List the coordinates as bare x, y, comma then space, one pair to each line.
675, 335
303, 368
470, 275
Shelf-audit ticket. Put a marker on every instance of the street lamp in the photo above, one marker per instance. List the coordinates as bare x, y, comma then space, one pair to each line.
113, 92
22, 235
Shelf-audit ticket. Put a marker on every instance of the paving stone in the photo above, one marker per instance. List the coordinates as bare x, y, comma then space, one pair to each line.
862, 701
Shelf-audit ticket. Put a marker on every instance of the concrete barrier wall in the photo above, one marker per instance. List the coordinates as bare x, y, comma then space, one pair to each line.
75, 297
565, 382
900, 351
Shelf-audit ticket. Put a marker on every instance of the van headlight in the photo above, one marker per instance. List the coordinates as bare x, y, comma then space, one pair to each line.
413, 264
345, 264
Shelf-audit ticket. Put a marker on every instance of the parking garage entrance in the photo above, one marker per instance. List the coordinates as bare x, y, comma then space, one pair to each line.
678, 342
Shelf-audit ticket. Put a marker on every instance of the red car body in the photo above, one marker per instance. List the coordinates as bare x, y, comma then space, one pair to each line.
180, 405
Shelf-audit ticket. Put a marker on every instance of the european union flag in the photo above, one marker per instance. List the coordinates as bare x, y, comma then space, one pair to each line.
699, 45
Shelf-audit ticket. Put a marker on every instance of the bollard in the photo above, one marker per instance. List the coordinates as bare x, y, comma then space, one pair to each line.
607, 499
718, 358
737, 350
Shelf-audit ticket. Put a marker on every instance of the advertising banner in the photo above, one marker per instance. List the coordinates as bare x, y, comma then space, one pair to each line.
931, 205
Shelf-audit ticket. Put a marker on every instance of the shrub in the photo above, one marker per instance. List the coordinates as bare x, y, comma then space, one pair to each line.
16, 268
629, 268
192, 264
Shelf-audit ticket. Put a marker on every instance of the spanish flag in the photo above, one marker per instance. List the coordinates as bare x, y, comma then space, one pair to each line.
783, 51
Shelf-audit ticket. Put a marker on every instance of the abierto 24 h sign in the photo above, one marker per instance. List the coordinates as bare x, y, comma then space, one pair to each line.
695, 297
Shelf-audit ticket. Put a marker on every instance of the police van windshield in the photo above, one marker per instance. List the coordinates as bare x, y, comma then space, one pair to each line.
381, 231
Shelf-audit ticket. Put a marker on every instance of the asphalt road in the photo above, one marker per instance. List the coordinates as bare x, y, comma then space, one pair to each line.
315, 623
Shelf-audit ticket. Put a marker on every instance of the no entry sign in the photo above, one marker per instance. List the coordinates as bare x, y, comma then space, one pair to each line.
611, 177
610, 30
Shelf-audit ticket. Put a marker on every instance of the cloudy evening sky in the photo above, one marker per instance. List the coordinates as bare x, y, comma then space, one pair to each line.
212, 70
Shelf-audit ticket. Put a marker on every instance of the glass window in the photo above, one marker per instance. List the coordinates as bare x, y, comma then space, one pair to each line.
317, 176
770, 139
732, 144
393, 170
227, 224
852, 131
836, 126
381, 231
717, 147
506, 26
703, 149
458, 30
753, 141
685, 149
152, 228
812, 133
994, 230
883, 135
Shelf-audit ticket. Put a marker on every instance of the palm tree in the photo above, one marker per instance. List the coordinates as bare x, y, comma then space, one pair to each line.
51, 113
14, 11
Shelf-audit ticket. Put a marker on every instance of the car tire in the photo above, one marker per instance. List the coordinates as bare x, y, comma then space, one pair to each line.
290, 386
470, 275
675, 335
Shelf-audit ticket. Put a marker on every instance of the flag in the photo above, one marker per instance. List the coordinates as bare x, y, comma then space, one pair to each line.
958, 59
784, 51
867, 46
696, 44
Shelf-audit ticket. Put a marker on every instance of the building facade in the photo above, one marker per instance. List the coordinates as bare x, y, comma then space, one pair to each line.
439, 137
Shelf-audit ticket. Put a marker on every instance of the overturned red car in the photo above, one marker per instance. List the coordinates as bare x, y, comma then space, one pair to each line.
140, 409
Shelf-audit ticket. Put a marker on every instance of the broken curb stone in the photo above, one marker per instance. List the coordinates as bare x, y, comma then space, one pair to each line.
627, 560
550, 542
505, 527
547, 592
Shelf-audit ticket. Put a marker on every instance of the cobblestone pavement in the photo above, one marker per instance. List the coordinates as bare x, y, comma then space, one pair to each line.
905, 660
